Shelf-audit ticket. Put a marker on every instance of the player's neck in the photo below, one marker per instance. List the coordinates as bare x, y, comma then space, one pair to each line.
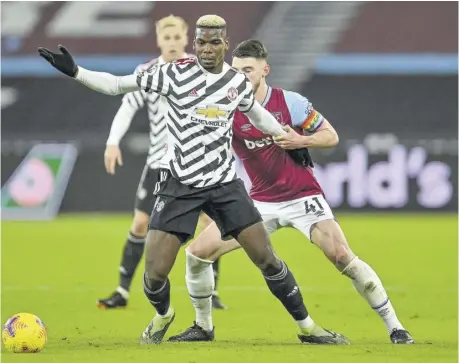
215, 70
170, 60
262, 92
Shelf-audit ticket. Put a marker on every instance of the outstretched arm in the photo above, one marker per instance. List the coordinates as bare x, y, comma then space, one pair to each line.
107, 83
100, 81
264, 121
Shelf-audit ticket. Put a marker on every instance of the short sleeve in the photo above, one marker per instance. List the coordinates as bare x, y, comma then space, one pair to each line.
155, 79
302, 112
248, 99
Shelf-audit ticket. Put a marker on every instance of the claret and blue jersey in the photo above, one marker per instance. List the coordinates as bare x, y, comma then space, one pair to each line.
274, 175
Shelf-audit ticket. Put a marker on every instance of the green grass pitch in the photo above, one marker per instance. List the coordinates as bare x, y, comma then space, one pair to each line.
58, 269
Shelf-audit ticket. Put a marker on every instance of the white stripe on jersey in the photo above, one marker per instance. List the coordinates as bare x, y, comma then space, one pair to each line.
200, 117
157, 111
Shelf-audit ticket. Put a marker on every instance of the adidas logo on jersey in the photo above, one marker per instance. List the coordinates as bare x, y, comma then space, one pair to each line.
193, 93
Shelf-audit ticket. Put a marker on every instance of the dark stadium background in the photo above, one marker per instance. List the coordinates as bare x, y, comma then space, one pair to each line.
384, 74
386, 77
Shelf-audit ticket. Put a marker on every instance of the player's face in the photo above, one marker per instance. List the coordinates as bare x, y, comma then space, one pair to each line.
210, 46
172, 42
255, 69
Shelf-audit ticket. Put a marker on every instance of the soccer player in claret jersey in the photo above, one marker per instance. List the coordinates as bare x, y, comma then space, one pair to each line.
172, 38
198, 170
285, 193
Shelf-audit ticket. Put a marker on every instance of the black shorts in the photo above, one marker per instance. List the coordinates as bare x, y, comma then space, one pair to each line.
178, 206
145, 197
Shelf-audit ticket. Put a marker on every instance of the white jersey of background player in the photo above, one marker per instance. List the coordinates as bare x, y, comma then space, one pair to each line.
172, 38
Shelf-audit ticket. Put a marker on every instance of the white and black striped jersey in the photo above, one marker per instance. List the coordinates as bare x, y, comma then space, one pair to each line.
157, 111
200, 117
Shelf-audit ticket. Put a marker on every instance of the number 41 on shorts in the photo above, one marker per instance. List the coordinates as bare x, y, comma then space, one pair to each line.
313, 205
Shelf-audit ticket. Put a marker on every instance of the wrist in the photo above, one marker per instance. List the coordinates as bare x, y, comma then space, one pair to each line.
113, 142
306, 141
76, 72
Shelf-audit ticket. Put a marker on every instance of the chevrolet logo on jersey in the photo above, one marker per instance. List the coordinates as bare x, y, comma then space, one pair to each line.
211, 112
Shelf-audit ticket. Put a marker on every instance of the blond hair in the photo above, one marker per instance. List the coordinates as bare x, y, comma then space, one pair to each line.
171, 20
211, 21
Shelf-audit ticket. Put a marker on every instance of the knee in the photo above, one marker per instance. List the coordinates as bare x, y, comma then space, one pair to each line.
268, 263
152, 275
139, 225
197, 250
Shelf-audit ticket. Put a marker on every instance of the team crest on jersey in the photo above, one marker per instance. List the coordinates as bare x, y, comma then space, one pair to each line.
278, 117
232, 94
246, 127
159, 206
152, 70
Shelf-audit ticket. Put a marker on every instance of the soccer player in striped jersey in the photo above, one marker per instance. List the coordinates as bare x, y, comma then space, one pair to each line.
172, 38
286, 194
198, 171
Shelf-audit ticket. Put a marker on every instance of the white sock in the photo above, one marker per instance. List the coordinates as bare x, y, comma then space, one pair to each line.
200, 283
305, 323
123, 292
168, 313
370, 287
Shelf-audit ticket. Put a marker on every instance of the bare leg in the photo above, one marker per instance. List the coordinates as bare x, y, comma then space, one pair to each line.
209, 246
329, 237
282, 285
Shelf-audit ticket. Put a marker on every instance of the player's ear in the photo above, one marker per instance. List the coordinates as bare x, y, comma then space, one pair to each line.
266, 70
186, 39
227, 44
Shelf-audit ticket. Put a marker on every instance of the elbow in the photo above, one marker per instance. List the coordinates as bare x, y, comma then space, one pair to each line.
114, 89
334, 140
110, 92
115, 93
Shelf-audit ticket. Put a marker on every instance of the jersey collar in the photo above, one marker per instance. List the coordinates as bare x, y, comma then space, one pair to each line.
225, 69
162, 61
267, 97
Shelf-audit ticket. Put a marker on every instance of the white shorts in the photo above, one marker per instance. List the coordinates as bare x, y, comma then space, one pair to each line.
301, 214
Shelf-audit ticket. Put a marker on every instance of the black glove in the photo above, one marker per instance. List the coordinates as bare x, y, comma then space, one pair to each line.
301, 156
61, 61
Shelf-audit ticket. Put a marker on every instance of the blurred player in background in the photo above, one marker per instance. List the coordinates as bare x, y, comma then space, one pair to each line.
172, 39
285, 193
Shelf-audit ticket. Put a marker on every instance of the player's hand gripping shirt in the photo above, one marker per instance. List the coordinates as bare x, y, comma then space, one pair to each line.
275, 177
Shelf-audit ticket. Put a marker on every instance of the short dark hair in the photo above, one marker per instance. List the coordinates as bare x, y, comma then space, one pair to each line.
251, 49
